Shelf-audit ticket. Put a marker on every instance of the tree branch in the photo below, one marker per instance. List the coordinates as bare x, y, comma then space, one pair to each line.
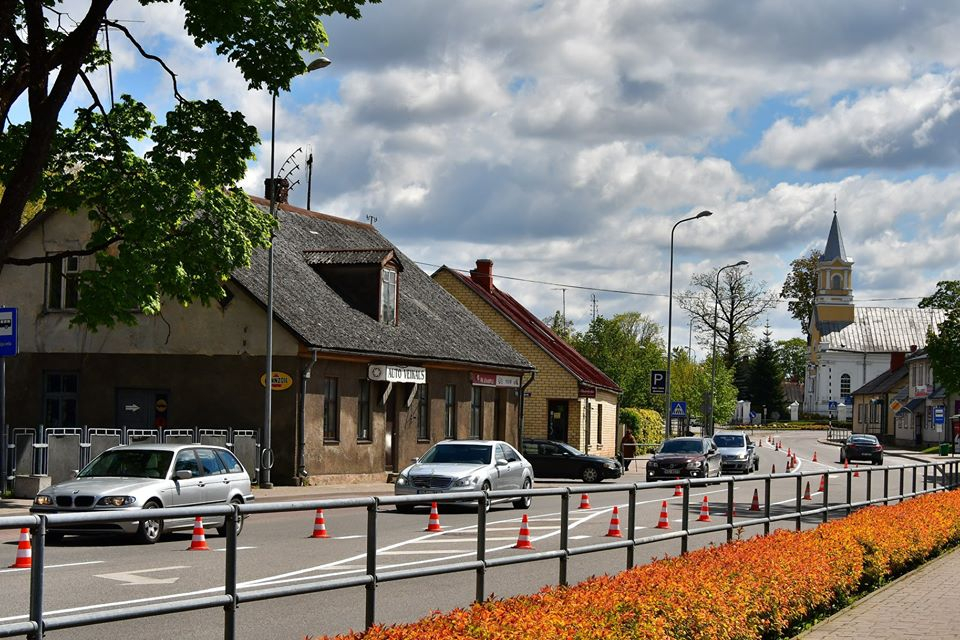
149, 56
60, 255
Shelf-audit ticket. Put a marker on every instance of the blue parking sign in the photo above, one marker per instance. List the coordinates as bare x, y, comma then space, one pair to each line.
8, 331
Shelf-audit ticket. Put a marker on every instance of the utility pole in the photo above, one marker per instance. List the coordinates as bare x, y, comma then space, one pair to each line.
593, 298
563, 307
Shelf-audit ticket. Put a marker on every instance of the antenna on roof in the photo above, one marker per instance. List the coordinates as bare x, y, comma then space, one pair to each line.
834, 204
371, 219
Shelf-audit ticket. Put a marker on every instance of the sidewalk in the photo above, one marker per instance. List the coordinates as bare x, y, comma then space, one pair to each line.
916, 605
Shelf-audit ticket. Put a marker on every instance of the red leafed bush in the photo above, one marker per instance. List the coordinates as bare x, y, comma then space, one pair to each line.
757, 588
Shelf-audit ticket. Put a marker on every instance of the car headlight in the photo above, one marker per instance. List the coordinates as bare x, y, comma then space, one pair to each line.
44, 501
610, 465
402, 480
116, 501
695, 464
741, 456
652, 464
469, 481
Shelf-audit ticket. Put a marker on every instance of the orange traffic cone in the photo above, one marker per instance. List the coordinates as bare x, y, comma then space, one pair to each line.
856, 471
814, 459
793, 461
664, 520
779, 445
614, 530
584, 501
846, 464
678, 490
704, 511
823, 482
789, 464
199, 540
523, 540
755, 505
433, 524
806, 494
773, 468
319, 526
24, 553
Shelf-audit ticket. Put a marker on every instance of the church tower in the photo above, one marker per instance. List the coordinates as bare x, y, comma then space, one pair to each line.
834, 299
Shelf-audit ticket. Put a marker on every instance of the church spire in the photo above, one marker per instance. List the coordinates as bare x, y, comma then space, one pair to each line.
834, 298
834, 249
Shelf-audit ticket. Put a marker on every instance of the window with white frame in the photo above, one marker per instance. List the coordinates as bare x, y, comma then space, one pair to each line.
476, 413
388, 296
845, 385
63, 283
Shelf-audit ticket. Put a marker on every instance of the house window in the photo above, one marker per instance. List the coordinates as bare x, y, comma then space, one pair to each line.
423, 415
837, 282
450, 411
388, 296
62, 283
845, 385
60, 399
476, 413
331, 411
363, 412
599, 424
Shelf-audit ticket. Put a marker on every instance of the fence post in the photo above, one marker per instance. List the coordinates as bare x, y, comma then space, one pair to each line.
36, 577
826, 497
849, 490
481, 547
913, 469
230, 574
632, 526
564, 534
869, 484
766, 504
685, 519
799, 502
371, 589
729, 509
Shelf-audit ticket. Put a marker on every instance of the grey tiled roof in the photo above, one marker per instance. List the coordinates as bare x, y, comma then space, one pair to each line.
880, 330
433, 325
883, 382
352, 256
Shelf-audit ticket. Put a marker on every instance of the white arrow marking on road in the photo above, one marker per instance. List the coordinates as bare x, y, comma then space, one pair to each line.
132, 577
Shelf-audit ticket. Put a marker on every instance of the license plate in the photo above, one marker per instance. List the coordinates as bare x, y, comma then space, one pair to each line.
427, 491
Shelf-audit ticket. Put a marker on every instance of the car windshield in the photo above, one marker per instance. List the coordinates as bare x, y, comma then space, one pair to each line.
130, 463
570, 448
863, 440
681, 446
729, 440
458, 453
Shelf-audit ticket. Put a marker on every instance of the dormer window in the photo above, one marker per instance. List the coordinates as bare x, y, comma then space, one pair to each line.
388, 296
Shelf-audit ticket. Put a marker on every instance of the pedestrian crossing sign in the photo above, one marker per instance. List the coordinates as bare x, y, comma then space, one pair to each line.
678, 409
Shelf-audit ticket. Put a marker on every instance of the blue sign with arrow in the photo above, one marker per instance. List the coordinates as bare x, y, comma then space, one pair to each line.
678, 409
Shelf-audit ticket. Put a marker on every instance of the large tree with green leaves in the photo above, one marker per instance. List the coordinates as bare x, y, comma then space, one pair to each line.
801, 287
943, 346
792, 356
170, 223
765, 380
739, 301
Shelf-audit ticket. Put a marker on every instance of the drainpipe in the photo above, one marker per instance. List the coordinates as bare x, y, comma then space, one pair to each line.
302, 421
523, 389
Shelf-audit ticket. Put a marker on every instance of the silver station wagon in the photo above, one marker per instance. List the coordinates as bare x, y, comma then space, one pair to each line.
140, 477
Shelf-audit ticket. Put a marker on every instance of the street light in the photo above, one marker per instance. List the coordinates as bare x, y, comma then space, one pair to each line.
666, 412
713, 373
273, 185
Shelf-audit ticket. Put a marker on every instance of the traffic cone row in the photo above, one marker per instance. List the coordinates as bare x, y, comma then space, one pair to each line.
584, 501
704, 511
523, 540
793, 464
664, 520
614, 530
319, 526
433, 524
199, 540
24, 553
755, 505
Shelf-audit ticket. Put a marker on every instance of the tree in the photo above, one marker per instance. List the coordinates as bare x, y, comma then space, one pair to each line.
627, 348
943, 346
171, 223
691, 384
739, 303
559, 326
801, 284
792, 357
765, 384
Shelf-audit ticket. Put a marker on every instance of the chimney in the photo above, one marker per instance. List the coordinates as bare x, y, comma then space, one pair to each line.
913, 348
897, 358
483, 274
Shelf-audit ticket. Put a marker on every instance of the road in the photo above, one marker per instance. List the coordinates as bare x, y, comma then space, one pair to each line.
276, 549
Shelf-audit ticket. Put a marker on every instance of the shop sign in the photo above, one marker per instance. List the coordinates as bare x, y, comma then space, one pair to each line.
278, 380
492, 380
393, 373
586, 392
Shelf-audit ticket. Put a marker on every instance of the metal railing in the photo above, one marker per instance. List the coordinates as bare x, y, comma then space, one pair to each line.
837, 434
935, 476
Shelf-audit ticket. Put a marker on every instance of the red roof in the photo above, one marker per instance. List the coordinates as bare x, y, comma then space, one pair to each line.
534, 328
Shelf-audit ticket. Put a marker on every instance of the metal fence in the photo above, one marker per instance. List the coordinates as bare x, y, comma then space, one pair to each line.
937, 476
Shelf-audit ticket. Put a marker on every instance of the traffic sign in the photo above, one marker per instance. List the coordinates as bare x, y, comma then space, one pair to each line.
678, 409
8, 331
938, 416
833, 405
658, 381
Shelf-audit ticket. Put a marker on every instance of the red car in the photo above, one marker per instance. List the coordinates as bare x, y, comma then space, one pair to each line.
862, 446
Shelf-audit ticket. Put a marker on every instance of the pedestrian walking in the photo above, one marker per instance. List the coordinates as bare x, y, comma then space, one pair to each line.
628, 448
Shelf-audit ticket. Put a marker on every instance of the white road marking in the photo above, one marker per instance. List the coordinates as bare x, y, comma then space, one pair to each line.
134, 578
238, 549
54, 566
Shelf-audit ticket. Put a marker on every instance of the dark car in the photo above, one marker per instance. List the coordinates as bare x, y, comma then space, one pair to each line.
685, 457
552, 459
862, 446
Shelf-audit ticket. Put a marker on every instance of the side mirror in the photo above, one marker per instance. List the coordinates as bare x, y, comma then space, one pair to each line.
501, 462
184, 474
74, 473
414, 460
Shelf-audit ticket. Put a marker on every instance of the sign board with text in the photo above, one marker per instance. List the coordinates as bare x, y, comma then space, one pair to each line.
8, 332
393, 373
494, 380
658, 382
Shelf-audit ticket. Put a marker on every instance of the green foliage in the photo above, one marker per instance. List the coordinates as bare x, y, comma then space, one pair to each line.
172, 223
792, 357
801, 284
561, 327
943, 347
645, 424
691, 383
765, 380
627, 348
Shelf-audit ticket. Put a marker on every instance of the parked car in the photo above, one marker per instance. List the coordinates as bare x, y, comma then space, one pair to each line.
738, 453
134, 479
553, 459
685, 457
862, 446
455, 466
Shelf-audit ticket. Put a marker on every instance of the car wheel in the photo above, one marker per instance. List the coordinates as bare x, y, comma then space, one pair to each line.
590, 475
878, 461
524, 502
222, 530
486, 487
150, 530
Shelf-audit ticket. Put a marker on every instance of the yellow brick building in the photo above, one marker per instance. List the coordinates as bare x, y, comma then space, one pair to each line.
569, 399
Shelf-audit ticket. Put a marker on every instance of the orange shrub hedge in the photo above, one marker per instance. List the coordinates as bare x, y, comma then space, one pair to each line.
762, 587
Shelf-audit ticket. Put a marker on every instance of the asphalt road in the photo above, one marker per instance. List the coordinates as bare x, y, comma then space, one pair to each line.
276, 550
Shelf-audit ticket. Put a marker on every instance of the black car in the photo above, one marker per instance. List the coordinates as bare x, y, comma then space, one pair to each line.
552, 459
685, 457
862, 446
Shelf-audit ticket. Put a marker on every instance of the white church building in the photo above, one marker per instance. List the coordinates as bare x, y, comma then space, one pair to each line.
850, 345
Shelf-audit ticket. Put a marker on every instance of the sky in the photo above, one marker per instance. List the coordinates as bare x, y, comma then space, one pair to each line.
563, 139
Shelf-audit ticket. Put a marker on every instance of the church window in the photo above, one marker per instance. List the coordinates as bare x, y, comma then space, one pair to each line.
845, 384
837, 281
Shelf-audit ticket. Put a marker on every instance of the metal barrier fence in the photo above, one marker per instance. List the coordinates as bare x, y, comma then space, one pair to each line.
836, 434
936, 476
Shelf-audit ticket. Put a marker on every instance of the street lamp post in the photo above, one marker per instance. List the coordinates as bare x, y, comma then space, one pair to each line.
273, 185
666, 412
713, 373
